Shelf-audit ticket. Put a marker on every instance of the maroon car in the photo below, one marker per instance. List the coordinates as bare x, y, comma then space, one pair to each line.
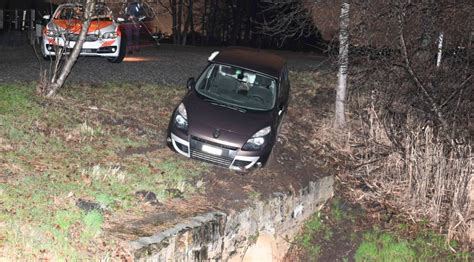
232, 113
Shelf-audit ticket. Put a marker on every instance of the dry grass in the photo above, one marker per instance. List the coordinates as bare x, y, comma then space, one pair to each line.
422, 175
388, 161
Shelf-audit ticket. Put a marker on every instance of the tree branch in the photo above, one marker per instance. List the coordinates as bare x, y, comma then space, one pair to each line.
71, 60
434, 106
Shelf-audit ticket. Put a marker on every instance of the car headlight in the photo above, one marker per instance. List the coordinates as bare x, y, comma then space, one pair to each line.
257, 140
52, 33
109, 35
181, 118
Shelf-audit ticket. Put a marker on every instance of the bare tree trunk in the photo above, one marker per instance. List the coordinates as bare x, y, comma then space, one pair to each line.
248, 21
340, 117
180, 21
174, 21
184, 34
211, 32
440, 49
71, 60
188, 23
191, 21
234, 8
204, 23
434, 106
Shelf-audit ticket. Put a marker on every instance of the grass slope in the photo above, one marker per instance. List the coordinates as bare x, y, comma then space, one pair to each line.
99, 144
343, 232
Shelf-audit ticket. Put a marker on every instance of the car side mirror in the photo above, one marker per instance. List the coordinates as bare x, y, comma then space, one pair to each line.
281, 109
191, 82
120, 19
46, 17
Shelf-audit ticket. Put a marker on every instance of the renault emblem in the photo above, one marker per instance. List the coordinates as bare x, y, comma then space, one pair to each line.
217, 133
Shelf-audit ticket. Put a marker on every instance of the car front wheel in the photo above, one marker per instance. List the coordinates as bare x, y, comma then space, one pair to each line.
47, 57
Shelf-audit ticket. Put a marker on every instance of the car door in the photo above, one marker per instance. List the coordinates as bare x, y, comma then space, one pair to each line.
283, 95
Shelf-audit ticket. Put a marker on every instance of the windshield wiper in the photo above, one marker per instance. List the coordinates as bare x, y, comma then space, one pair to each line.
217, 103
242, 110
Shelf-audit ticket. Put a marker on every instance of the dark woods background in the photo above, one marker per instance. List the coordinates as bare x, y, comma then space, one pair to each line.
233, 22
202, 22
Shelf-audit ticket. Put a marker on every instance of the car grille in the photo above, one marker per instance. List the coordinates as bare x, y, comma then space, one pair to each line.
89, 38
218, 160
198, 139
224, 160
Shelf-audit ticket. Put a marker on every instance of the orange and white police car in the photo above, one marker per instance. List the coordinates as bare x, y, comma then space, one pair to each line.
103, 39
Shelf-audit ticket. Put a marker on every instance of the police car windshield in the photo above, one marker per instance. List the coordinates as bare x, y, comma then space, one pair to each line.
76, 12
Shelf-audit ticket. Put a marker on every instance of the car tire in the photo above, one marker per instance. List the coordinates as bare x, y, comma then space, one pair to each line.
122, 52
270, 161
49, 57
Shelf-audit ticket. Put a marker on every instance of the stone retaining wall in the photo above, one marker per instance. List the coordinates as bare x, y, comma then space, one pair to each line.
261, 232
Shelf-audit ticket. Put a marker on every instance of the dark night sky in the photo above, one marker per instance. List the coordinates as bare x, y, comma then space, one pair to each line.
24, 4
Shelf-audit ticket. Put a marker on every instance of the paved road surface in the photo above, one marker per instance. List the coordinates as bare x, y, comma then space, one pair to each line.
166, 64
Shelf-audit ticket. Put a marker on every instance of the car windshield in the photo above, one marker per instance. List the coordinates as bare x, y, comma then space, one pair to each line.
239, 87
76, 12
70, 12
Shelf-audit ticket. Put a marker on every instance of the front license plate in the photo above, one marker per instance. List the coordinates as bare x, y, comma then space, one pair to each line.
211, 150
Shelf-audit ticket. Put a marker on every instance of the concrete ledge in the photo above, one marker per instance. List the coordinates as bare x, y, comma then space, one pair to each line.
263, 229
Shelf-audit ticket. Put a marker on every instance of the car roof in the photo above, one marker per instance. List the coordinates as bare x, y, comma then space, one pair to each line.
79, 4
69, 4
253, 59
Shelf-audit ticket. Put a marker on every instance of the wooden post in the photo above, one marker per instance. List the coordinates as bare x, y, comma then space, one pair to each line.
16, 19
32, 31
23, 21
1, 19
440, 49
470, 224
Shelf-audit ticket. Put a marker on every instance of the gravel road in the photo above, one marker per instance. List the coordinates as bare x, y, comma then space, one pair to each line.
166, 64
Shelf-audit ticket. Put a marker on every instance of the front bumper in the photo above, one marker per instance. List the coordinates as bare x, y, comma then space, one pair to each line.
221, 155
101, 47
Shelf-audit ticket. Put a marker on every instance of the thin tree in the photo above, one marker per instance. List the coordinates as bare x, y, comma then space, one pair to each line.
288, 19
179, 25
440, 49
174, 15
300, 21
341, 89
191, 20
59, 75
